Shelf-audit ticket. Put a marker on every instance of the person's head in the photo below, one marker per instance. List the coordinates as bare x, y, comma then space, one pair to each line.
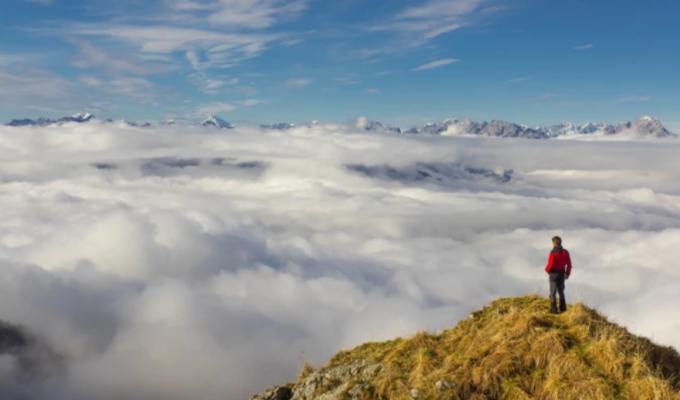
557, 241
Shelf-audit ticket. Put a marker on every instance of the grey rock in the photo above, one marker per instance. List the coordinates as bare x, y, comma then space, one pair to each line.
331, 384
442, 385
22, 122
414, 394
277, 393
283, 393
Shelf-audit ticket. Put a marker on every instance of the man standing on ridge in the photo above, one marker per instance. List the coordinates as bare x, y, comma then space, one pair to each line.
559, 269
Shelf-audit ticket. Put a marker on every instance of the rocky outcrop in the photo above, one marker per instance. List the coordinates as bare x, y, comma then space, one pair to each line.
511, 349
344, 382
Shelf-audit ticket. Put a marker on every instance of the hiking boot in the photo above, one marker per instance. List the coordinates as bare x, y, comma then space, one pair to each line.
563, 307
553, 311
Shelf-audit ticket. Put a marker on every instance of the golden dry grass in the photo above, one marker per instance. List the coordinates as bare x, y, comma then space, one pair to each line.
306, 370
514, 349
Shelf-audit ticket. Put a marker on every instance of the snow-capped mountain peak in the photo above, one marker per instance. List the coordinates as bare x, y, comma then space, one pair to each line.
217, 122
365, 124
645, 126
80, 117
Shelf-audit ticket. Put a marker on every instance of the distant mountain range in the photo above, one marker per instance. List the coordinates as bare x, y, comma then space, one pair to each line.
645, 126
642, 127
81, 118
46, 121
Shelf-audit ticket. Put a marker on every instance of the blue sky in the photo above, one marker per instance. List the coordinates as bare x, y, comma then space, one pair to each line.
395, 61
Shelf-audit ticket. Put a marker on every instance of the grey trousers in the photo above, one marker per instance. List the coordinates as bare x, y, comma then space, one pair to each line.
557, 287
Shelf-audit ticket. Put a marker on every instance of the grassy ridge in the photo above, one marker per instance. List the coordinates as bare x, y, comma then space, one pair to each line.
515, 349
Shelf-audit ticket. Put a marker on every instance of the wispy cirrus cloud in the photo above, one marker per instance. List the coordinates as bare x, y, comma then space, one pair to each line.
210, 85
252, 102
28, 87
213, 108
92, 57
291, 42
20, 58
544, 96
25, 85
435, 64
548, 96
296, 83
584, 47
125, 88
492, 9
137, 88
347, 81
168, 39
365, 53
383, 73
526, 78
631, 99
432, 18
250, 14
122, 52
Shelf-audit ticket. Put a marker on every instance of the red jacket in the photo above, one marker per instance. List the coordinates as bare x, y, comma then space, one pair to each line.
558, 260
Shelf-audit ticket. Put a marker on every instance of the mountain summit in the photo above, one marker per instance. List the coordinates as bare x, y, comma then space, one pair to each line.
645, 126
217, 122
511, 349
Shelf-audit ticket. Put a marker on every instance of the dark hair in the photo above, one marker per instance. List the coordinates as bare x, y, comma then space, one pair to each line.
557, 240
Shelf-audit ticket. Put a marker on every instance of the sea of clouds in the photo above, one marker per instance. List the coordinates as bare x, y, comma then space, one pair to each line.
196, 263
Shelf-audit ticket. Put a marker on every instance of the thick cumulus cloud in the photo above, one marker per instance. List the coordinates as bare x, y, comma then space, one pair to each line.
182, 263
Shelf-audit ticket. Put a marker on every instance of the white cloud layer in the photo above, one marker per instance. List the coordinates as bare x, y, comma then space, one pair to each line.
197, 263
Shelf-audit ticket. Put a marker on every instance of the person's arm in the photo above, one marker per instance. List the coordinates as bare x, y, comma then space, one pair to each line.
551, 261
568, 265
